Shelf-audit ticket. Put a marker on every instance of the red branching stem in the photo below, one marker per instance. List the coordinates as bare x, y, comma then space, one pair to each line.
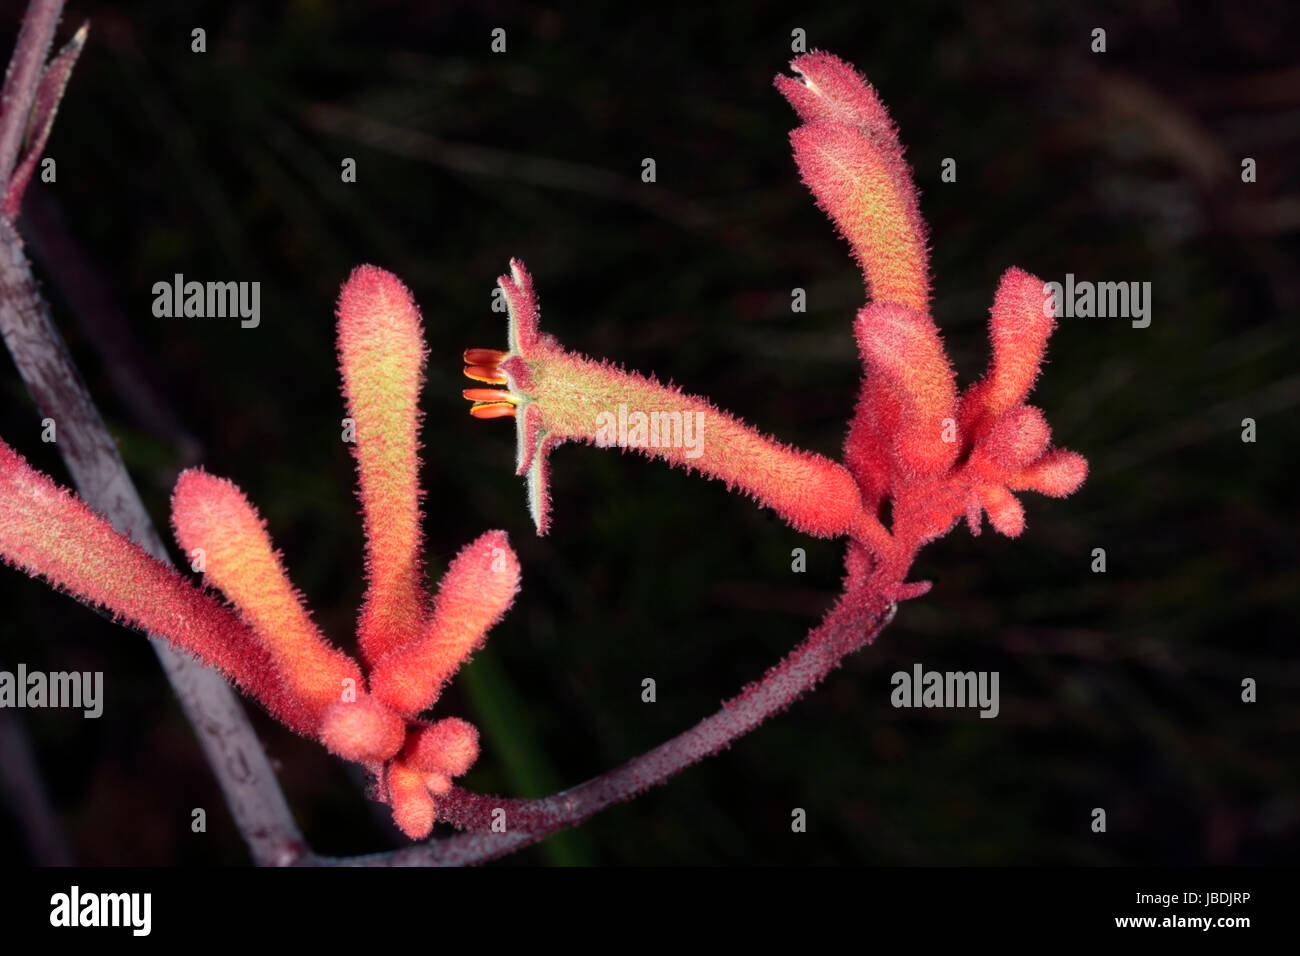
855, 620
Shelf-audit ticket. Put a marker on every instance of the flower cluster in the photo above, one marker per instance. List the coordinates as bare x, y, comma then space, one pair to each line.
267, 643
914, 444
919, 456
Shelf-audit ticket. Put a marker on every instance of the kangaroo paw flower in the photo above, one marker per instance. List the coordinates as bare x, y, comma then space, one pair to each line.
557, 396
1018, 332
448, 748
433, 755
913, 444
936, 457
271, 648
916, 450
1008, 441
381, 356
47, 531
476, 592
362, 730
213, 517
901, 348
1057, 474
413, 804
849, 156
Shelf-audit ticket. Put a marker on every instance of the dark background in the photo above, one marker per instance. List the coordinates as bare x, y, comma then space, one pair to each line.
1119, 690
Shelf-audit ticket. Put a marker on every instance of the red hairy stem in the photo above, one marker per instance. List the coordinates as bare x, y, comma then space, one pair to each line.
854, 622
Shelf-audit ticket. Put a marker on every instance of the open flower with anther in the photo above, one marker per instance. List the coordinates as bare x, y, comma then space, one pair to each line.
556, 396
915, 445
265, 641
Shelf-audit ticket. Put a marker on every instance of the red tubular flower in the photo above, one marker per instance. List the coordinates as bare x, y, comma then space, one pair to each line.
448, 747
381, 355
902, 349
935, 457
850, 158
830, 91
362, 730
1019, 329
413, 804
1009, 440
213, 516
1058, 473
912, 443
49, 532
557, 396
475, 593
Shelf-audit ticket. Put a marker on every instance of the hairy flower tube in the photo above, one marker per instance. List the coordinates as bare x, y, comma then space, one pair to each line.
917, 448
266, 641
556, 396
